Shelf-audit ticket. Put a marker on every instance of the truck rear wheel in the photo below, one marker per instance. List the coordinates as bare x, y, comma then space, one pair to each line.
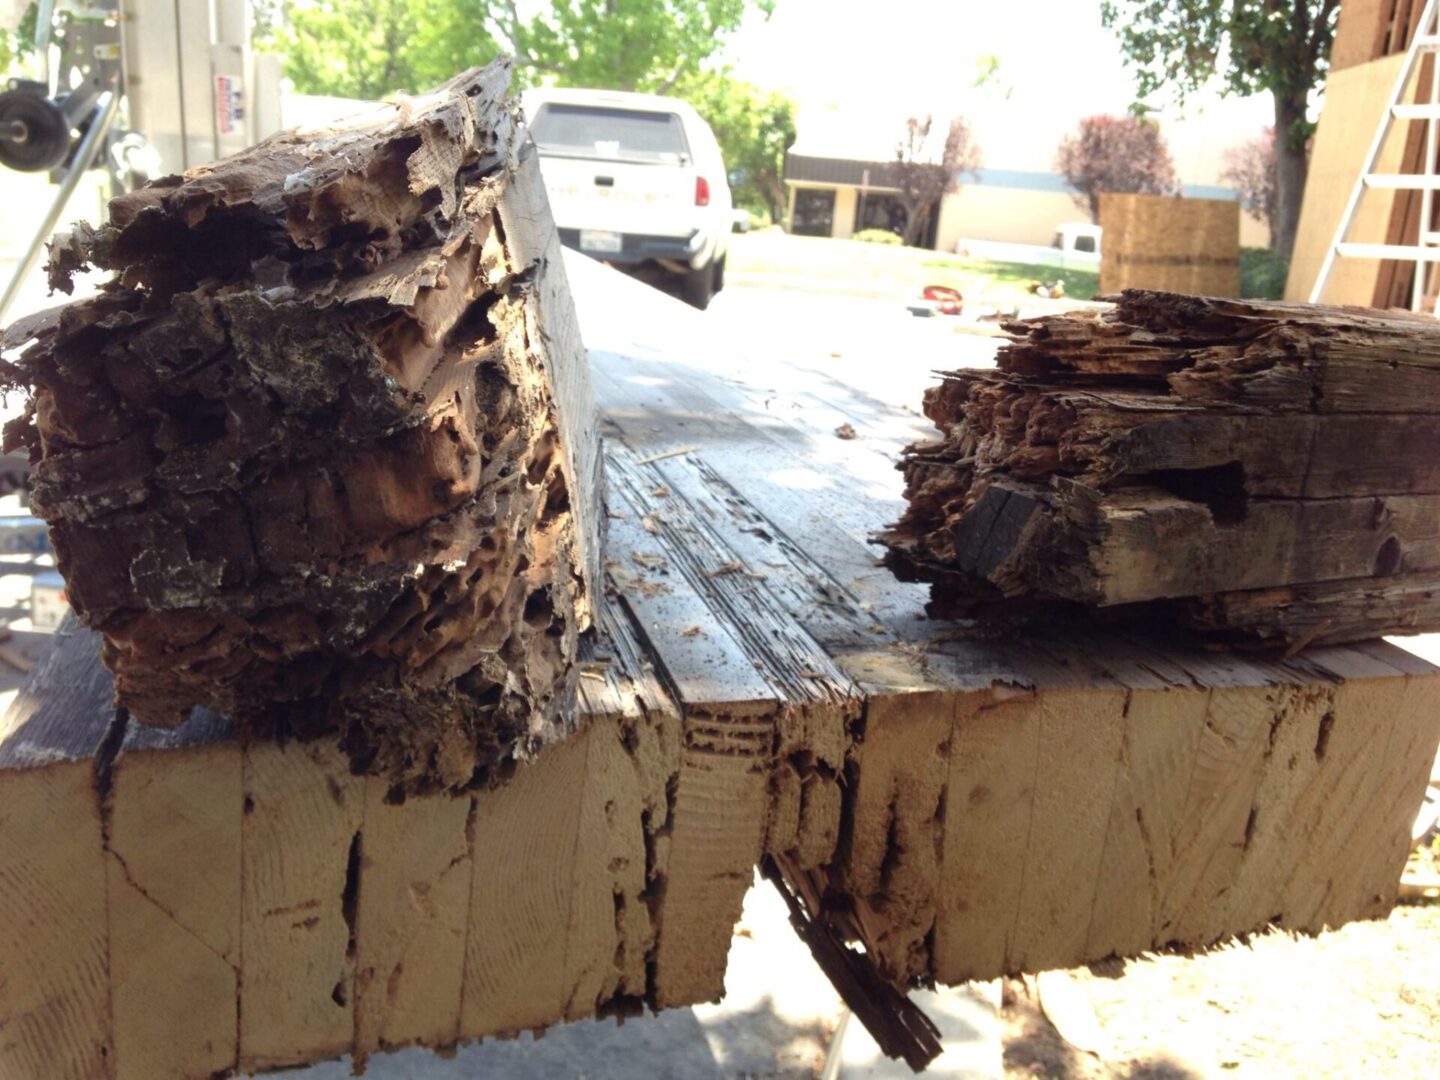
700, 286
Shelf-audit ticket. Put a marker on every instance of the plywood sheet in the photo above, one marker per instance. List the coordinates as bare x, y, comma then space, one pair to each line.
1176, 244
1355, 100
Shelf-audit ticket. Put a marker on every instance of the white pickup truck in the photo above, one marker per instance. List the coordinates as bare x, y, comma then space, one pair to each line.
635, 180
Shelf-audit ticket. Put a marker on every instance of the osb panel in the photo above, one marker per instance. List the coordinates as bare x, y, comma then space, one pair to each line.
1178, 245
1355, 101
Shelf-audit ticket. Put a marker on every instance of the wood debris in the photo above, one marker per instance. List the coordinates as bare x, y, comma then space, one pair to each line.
1252, 470
321, 457
667, 454
845, 431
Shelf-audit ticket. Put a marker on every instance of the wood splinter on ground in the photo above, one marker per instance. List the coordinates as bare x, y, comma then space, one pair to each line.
1259, 472
322, 456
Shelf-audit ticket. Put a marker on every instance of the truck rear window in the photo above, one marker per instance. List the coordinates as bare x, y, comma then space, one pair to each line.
602, 132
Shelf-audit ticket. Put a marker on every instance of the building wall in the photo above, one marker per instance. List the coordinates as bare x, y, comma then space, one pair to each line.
1016, 216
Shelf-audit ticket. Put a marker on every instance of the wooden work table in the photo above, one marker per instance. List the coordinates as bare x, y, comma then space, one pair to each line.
175, 903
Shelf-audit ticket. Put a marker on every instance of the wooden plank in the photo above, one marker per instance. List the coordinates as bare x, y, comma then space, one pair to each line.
1125, 435
890, 864
515, 952
54, 986
583, 834
553, 334
173, 856
988, 815
301, 854
621, 860
1078, 751
411, 918
722, 797
1161, 728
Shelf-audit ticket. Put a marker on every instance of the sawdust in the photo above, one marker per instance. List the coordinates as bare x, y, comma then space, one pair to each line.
1363, 1001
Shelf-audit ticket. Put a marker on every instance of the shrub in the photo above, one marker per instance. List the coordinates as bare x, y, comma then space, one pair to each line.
1262, 274
877, 236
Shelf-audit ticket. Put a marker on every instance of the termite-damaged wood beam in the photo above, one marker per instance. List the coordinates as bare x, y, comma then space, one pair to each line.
997, 808
322, 456
1260, 472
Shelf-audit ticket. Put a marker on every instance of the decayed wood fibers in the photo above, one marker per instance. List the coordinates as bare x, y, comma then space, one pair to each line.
1254, 470
302, 459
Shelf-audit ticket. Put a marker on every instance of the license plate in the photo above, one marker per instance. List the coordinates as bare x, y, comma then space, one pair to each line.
599, 240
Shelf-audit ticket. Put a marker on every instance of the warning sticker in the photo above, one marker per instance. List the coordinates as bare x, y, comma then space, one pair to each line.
229, 104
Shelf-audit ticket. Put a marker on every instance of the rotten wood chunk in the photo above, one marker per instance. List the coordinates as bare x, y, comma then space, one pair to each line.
322, 455
1257, 471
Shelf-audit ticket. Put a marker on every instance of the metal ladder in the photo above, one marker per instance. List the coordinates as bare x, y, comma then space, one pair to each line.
1426, 252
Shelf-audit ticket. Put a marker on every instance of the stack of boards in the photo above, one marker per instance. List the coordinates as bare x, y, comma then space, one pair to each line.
1258, 472
319, 456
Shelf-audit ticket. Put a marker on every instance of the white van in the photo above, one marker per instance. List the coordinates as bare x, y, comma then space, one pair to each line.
635, 180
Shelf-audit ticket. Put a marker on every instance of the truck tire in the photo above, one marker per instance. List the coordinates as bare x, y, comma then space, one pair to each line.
720, 274
700, 286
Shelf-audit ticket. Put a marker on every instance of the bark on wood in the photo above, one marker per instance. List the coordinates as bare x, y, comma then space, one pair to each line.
1255, 470
322, 456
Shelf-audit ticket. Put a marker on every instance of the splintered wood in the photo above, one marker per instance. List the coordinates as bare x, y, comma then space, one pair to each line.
1256, 471
321, 457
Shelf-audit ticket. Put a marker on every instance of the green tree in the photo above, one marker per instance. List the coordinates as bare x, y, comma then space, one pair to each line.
19, 42
369, 48
754, 128
1282, 46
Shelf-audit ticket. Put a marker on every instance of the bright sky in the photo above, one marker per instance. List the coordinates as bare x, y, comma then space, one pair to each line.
859, 67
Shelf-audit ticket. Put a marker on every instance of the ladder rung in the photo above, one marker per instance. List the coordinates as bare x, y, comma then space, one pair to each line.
1427, 42
1403, 181
1388, 251
1427, 110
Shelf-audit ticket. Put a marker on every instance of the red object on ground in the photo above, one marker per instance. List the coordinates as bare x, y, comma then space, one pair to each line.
949, 301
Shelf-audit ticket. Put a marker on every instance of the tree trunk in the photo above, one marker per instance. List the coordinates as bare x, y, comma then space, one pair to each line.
772, 190
916, 219
1290, 169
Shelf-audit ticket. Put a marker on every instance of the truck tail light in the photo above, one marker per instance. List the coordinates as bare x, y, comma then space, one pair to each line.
702, 191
